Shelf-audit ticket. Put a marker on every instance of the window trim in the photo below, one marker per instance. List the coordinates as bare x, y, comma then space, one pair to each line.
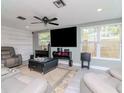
98, 41
103, 58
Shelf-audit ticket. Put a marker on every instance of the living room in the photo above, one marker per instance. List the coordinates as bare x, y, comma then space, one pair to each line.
56, 51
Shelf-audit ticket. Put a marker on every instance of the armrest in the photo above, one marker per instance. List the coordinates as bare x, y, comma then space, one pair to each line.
3, 61
18, 55
20, 58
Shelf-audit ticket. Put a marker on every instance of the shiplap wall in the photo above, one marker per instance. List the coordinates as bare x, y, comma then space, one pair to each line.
21, 40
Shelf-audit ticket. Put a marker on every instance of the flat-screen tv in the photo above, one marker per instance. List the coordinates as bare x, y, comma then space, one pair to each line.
65, 37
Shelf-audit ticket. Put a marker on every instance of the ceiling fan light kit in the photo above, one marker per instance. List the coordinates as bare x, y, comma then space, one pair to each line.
21, 17
45, 20
59, 3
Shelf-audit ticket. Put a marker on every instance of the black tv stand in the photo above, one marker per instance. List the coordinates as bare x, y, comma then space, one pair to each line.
63, 55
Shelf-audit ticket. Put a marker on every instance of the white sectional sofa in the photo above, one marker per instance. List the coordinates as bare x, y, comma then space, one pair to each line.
15, 82
91, 82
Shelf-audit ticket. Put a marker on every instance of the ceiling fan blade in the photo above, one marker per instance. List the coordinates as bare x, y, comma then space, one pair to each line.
36, 22
38, 18
53, 19
54, 24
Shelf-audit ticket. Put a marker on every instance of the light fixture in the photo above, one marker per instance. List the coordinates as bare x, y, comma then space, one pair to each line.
58, 3
99, 9
21, 17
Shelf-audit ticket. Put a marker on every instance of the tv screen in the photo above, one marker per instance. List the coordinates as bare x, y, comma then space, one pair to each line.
65, 37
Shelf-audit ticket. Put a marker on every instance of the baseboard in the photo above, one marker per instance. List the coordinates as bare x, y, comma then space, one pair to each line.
100, 68
92, 66
63, 62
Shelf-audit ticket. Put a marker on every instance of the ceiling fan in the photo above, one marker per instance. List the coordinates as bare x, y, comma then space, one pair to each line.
45, 20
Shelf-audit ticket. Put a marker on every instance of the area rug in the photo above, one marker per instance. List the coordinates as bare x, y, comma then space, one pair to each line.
64, 83
56, 77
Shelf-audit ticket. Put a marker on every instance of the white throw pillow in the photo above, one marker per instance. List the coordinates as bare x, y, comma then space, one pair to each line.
97, 85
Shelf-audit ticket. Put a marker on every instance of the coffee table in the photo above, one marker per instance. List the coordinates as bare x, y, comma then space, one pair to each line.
44, 66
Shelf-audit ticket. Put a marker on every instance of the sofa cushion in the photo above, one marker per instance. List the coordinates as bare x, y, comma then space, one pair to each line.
5, 53
116, 72
119, 88
36, 86
10, 62
12, 85
97, 85
5, 56
24, 79
84, 88
20, 83
109, 79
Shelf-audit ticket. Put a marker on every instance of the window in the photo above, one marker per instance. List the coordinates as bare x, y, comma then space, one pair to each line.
102, 41
44, 40
89, 40
110, 41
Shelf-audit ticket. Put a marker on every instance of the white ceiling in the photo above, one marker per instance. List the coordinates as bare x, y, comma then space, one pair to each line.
75, 12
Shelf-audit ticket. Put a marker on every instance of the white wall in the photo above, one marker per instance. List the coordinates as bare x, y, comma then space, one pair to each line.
21, 40
75, 50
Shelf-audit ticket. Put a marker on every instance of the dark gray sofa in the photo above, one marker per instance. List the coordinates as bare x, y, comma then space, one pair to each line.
9, 58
